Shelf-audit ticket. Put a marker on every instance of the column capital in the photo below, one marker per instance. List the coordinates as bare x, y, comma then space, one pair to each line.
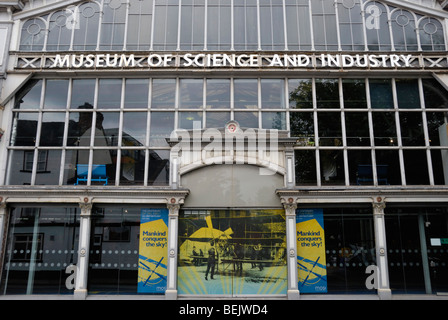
378, 206
290, 205
173, 204
86, 207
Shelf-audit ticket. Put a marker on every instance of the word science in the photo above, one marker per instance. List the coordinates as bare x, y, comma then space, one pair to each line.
226, 60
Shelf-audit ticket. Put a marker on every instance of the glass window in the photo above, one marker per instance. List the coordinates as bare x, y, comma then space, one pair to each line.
61, 33
246, 93
163, 93
431, 34
435, 94
159, 168
350, 247
411, 126
388, 167
350, 25
20, 167
302, 126
24, 129
29, 96
272, 93
357, 129
404, 30
305, 167
166, 18
109, 93
408, 96
56, 94
272, 31
132, 167
330, 131
52, 130
42, 242
381, 94
360, 167
217, 119
416, 167
134, 129
162, 124
106, 131
114, 250
139, 25
245, 22
191, 94
48, 167
300, 93
439, 159
33, 34
384, 129
113, 25
219, 25
324, 25
327, 93
104, 167
136, 94
377, 27
190, 120
218, 94
298, 25
247, 119
354, 92
85, 34
273, 120
332, 167
83, 94
192, 25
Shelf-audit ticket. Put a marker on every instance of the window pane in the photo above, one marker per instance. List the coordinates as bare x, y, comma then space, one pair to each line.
217, 119
159, 168
416, 167
412, 129
52, 131
109, 94
48, 167
56, 94
360, 167
408, 93
298, 24
332, 167
437, 128
354, 91
191, 94
302, 126
271, 25
134, 129
136, 93
162, 124
300, 93
219, 25
163, 93
29, 96
190, 120
218, 94
24, 129
435, 94
440, 166
272, 93
388, 167
246, 93
274, 120
139, 25
132, 167
327, 93
104, 161
247, 119
381, 94
330, 132
79, 129
106, 132
357, 129
83, 94
384, 129
245, 22
20, 167
86, 36
305, 167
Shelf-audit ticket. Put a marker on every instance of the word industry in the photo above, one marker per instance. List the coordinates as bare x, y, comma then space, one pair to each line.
223, 60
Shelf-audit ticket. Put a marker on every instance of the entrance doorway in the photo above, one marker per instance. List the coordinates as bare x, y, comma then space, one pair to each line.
232, 252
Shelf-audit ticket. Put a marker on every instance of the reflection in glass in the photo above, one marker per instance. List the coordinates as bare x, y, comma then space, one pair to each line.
113, 25
191, 94
389, 160
273, 120
113, 256
412, 129
354, 91
24, 129
162, 124
190, 120
300, 93
20, 167
435, 94
101, 158
384, 129
332, 167
52, 130
218, 94
330, 132
305, 167
132, 167
416, 167
403, 30
83, 94
327, 93
431, 35
48, 167
134, 129
381, 94
85, 38
159, 168
29, 96
247, 119
437, 128
106, 131
217, 119
163, 93
56, 94
272, 93
246, 93
408, 93
109, 94
302, 126
377, 27
136, 93
357, 129
41, 243
439, 160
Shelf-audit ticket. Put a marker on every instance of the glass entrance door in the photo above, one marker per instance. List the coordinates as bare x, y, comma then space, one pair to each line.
232, 252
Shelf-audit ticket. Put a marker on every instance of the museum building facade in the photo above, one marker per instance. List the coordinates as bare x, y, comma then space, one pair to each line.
223, 148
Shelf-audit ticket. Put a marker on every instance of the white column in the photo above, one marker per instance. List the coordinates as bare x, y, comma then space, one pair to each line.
290, 206
173, 219
83, 251
3, 220
384, 291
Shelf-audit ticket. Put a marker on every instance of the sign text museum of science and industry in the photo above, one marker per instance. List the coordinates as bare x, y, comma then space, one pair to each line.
230, 60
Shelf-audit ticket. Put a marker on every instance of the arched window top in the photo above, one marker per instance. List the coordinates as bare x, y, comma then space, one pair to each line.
275, 25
